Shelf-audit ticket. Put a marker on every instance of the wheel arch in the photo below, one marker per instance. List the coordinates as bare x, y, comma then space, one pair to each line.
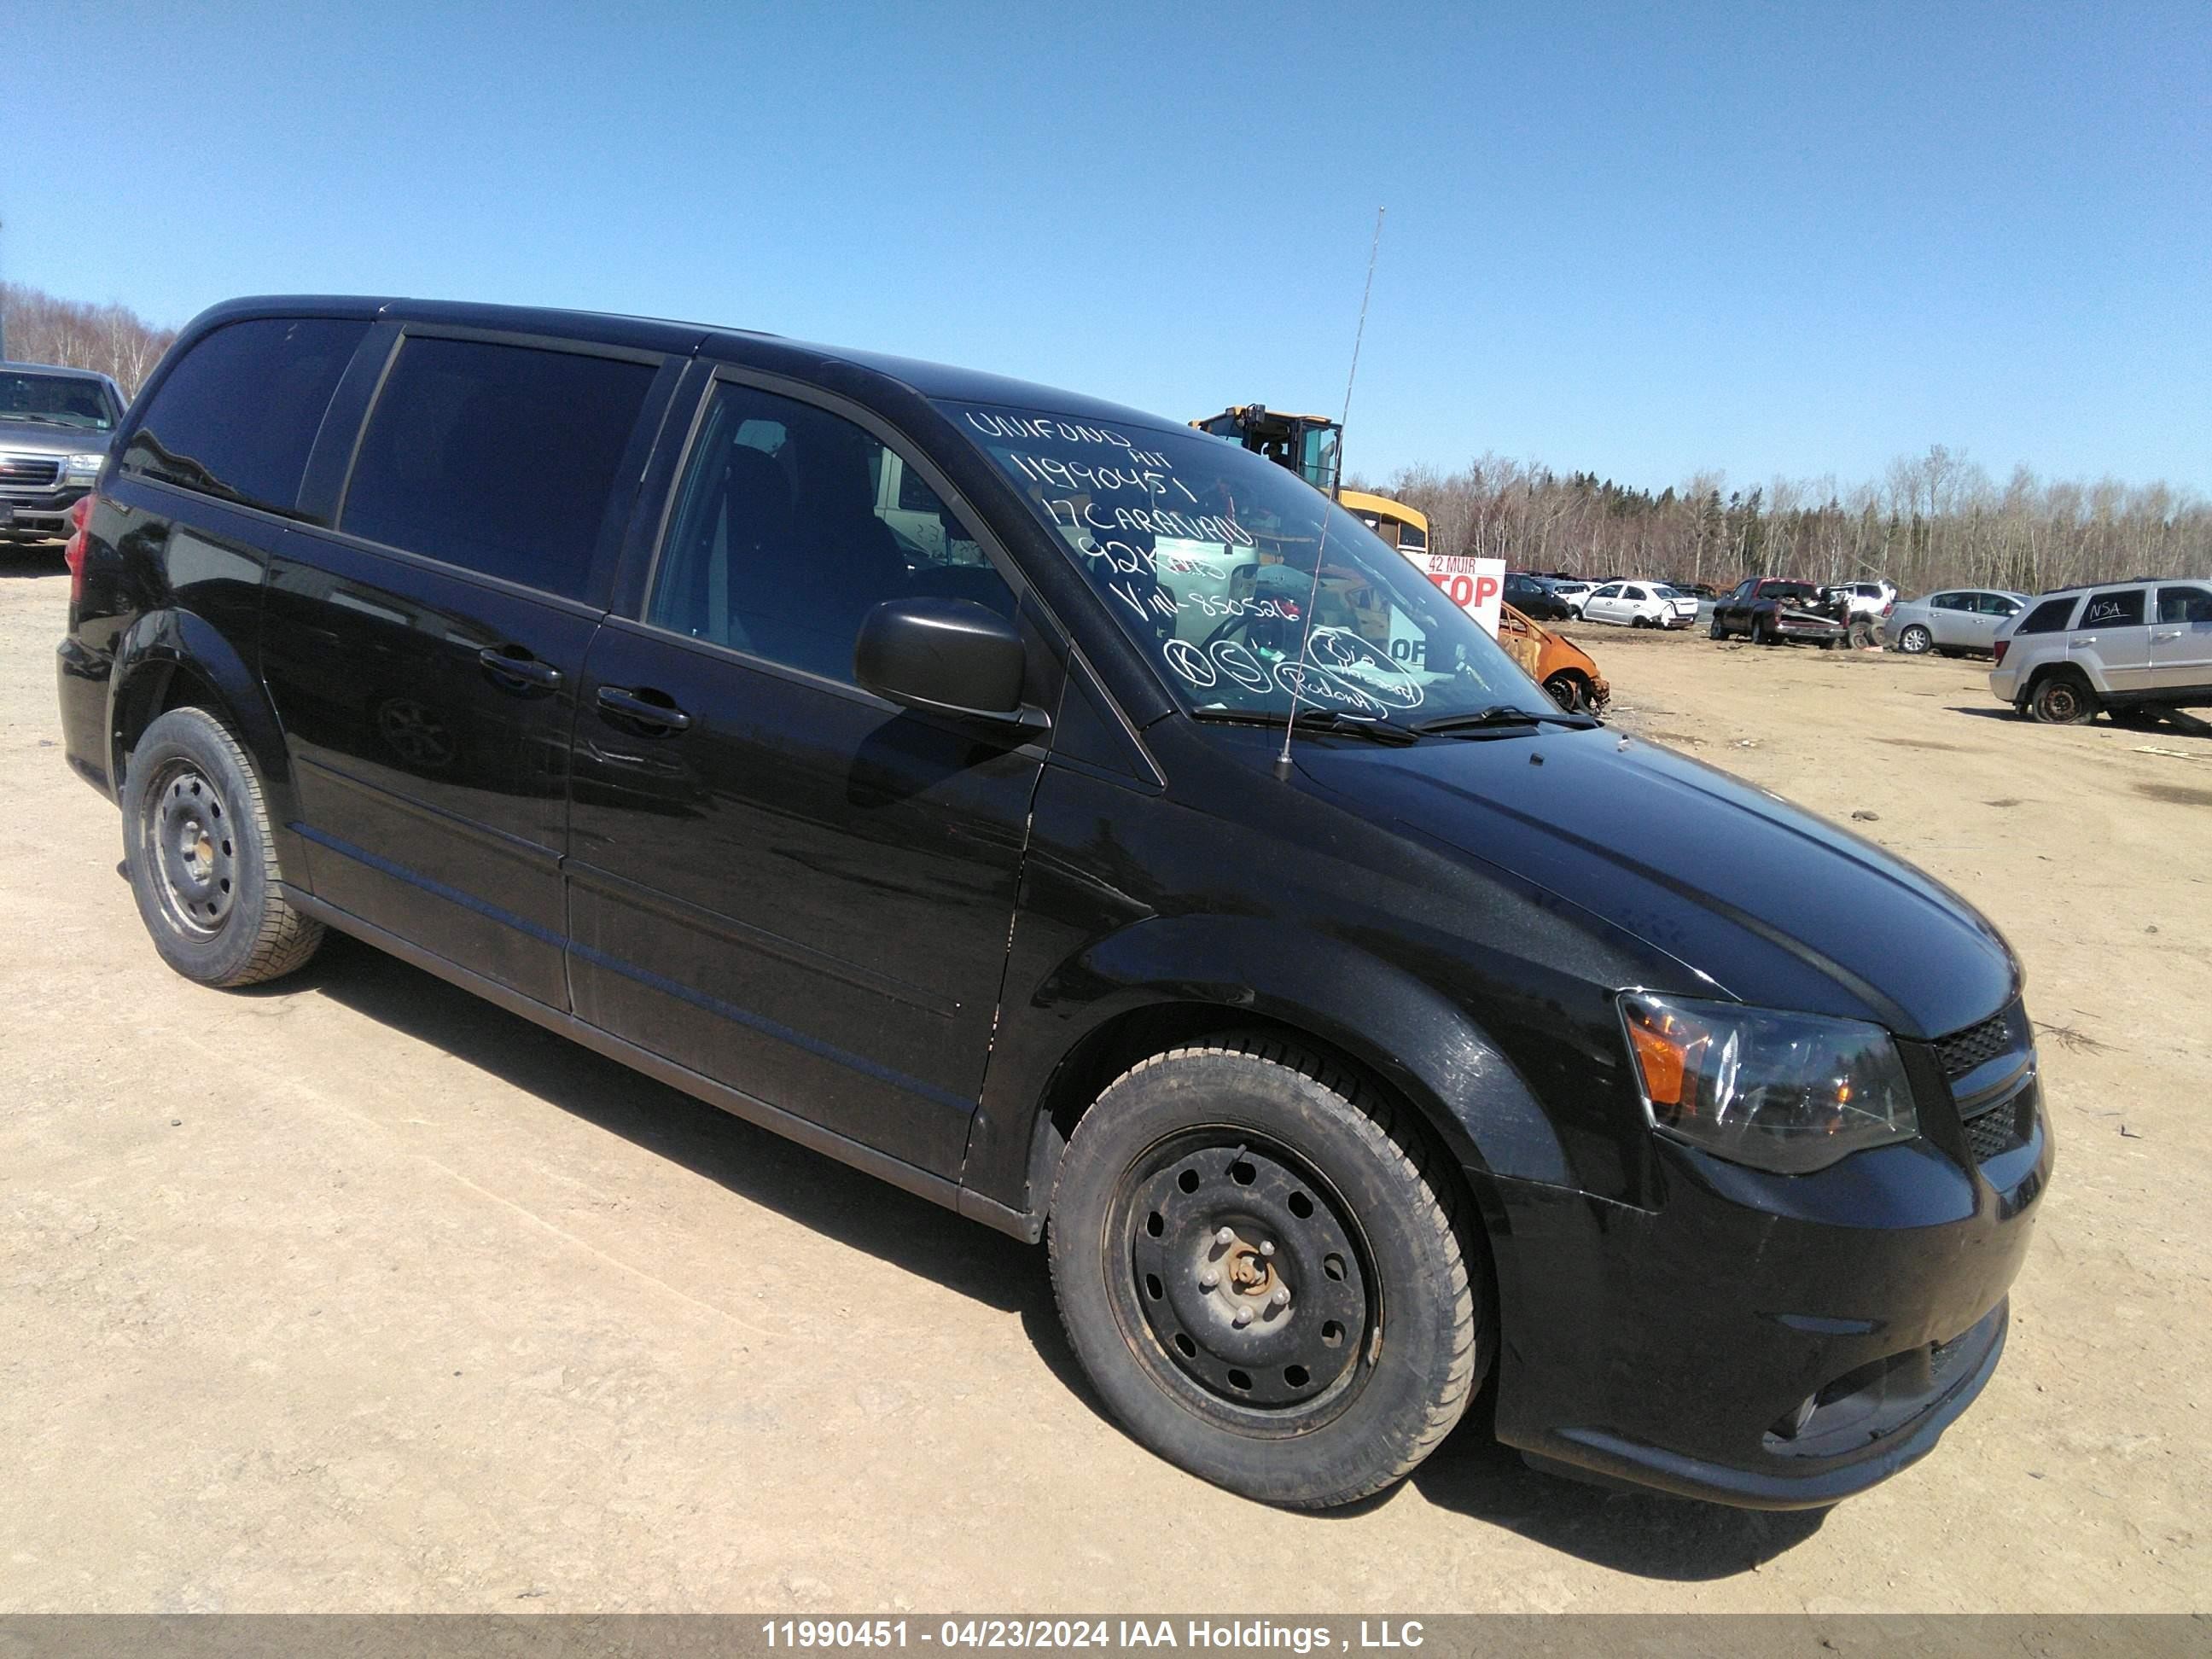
177, 658
1379, 1023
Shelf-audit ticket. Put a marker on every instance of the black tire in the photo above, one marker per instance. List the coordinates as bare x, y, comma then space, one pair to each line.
2062, 699
1717, 631
1568, 692
202, 862
1761, 634
1329, 1197
1915, 641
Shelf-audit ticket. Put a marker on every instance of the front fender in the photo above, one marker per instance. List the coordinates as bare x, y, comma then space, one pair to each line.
1398, 1027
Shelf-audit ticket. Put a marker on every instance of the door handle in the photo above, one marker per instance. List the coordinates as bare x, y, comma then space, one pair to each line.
513, 663
629, 706
2167, 634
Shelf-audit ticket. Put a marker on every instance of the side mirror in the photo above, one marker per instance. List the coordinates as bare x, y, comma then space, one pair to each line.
948, 656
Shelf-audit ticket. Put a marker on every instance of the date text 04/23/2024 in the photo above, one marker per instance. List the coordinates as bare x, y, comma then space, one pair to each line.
1108, 1635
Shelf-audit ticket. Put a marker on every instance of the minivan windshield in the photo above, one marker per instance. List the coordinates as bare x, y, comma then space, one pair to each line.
1205, 554
54, 400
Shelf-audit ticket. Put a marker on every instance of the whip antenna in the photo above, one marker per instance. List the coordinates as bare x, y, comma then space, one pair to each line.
1313, 596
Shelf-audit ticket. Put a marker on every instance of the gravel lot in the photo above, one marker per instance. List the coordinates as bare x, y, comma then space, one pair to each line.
358, 1294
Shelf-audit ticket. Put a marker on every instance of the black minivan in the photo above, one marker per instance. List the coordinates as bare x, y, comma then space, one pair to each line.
1083, 822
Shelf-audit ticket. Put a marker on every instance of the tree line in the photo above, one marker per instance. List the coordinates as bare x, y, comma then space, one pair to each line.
1933, 520
42, 328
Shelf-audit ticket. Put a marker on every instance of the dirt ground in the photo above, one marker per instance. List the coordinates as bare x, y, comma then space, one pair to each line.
358, 1294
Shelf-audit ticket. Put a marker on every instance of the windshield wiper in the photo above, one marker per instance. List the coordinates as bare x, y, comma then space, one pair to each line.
1315, 720
1497, 714
32, 415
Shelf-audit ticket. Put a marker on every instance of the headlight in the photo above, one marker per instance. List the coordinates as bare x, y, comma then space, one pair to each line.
1787, 1093
83, 469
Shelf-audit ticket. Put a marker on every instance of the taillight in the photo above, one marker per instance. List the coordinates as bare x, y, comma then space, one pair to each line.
2003, 645
79, 517
1889, 608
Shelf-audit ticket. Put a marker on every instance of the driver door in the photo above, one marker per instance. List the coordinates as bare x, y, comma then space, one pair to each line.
776, 878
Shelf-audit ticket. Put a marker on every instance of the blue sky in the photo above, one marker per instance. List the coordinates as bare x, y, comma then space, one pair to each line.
1792, 239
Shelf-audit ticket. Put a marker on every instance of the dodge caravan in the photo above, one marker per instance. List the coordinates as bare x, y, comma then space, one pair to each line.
1086, 824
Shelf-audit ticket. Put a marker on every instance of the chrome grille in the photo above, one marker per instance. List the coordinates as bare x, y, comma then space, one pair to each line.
29, 472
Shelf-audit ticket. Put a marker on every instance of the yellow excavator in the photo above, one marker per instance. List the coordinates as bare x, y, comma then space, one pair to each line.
1312, 446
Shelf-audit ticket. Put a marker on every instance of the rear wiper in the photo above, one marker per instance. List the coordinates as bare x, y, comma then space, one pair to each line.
1500, 714
1315, 720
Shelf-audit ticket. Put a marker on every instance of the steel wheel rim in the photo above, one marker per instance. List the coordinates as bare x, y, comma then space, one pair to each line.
2060, 702
1285, 1336
192, 841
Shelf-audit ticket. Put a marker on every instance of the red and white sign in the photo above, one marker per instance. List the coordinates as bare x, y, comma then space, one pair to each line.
1476, 585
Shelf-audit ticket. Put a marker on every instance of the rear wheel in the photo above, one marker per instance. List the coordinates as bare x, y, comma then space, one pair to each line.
2062, 699
1761, 632
1717, 631
1236, 1227
1915, 641
203, 863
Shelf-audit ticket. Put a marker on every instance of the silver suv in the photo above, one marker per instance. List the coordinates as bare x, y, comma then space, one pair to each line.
2136, 648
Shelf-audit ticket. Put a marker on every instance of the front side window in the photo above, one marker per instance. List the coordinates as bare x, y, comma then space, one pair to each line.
2122, 607
1995, 605
790, 525
499, 459
1950, 602
2049, 617
1244, 584
62, 400
236, 415
2185, 605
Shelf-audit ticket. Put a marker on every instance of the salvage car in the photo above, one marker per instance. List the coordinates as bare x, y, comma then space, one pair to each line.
1954, 622
1638, 604
2136, 650
1351, 1023
1774, 610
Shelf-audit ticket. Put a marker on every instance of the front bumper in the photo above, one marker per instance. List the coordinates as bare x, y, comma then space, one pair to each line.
39, 514
1773, 1342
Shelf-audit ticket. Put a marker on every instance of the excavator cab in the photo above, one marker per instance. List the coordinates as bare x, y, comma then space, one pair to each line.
1311, 445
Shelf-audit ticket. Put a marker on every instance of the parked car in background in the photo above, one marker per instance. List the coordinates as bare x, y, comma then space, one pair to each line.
1870, 600
1569, 591
54, 427
1955, 621
1639, 605
1702, 1140
1533, 597
1774, 610
2136, 649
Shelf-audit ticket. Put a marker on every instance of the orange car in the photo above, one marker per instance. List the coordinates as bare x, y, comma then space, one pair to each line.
1561, 667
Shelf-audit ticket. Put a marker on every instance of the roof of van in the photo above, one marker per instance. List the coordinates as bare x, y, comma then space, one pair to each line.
934, 381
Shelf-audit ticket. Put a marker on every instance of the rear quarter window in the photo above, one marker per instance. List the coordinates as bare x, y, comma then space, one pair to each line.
235, 416
2049, 618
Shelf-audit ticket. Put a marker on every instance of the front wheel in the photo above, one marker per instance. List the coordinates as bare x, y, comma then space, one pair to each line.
1237, 1229
203, 863
1567, 691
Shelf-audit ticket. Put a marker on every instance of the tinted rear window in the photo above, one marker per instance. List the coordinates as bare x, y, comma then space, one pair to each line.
499, 459
2049, 618
236, 416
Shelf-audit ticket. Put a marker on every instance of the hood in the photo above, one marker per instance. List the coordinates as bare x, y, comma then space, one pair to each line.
38, 438
1767, 902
